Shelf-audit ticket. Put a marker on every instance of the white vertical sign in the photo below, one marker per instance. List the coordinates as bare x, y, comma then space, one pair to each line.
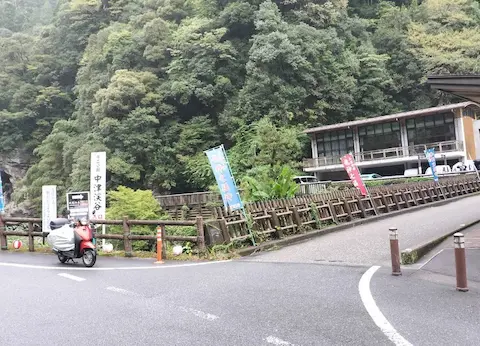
98, 181
49, 206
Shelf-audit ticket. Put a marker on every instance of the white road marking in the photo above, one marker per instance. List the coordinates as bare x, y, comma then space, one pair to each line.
71, 277
200, 314
121, 290
276, 341
374, 311
31, 266
431, 258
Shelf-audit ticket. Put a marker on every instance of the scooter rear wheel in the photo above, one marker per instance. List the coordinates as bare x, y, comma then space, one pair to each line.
89, 258
62, 258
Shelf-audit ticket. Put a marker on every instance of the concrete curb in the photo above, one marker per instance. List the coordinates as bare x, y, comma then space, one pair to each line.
413, 255
251, 250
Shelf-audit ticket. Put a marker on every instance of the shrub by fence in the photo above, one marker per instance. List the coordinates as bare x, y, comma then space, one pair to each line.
33, 229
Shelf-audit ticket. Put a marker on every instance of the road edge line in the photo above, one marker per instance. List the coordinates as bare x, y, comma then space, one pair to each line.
374, 312
66, 268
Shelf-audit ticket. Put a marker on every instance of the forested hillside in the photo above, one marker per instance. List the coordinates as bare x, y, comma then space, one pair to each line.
156, 82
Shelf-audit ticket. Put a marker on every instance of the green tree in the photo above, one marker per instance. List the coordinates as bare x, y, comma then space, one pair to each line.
136, 205
446, 36
408, 88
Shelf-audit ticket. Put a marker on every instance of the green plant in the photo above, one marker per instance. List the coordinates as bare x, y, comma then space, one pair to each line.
269, 183
136, 205
316, 215
187, 248
185, 210
186, 231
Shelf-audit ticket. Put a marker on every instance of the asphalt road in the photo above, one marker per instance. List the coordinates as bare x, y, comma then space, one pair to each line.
228, 303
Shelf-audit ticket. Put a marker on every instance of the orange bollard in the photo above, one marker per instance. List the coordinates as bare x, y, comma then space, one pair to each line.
159, 245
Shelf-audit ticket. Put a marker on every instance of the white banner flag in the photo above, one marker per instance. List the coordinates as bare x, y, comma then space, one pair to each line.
49, 206
98, 181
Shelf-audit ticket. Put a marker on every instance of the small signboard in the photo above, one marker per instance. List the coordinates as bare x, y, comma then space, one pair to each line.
49, 206
77, 204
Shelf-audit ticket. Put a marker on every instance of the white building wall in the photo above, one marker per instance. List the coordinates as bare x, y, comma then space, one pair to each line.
404, 136
314, 146
476, 134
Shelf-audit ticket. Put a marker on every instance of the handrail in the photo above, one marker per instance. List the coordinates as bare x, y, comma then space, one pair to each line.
387, 153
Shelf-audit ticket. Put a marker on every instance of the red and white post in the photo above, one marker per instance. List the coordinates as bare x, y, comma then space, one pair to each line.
395, 251
460, 262
159, 245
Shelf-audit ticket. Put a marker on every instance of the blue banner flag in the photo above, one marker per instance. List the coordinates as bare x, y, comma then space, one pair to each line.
2, 201
223, 176
430, 154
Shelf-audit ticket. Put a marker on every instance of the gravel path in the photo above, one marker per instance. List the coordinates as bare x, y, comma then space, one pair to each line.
369, 245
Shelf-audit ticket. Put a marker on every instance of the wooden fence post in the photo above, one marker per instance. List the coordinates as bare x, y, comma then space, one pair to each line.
385, 203
224, 229
164, 243
347, 209
31, 240
296, 217
200, 234
3, 237
333, 212
127, 243
361, 207
276, 223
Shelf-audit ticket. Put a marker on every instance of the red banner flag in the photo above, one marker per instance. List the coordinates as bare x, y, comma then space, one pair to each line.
353, 173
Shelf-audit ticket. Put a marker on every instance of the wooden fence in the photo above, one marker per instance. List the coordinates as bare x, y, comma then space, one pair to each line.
279, 218
31, 228
276, 218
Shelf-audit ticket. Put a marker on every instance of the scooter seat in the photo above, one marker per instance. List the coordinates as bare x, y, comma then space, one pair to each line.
58, 223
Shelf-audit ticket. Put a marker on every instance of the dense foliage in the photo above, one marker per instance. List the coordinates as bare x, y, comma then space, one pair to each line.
136, 205
157, 82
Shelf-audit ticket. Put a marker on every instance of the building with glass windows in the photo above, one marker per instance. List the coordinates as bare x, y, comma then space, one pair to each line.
390, 144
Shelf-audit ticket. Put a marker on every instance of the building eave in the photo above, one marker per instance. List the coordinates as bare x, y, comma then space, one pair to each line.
391, 117
466, 87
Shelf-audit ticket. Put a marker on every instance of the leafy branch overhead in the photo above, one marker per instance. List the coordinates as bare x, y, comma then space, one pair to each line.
157, 82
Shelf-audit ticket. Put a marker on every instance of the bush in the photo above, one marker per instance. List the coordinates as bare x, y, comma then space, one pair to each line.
136, 205
269, 183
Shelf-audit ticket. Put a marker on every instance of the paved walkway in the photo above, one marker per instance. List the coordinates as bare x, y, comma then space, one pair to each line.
439, 263
369, 245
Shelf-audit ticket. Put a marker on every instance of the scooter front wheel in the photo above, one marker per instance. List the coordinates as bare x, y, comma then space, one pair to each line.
62, 258
89, 258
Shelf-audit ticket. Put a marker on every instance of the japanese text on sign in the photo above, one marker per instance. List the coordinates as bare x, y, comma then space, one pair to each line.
77, 204
97, 185
223, 176
353, 173
49, 205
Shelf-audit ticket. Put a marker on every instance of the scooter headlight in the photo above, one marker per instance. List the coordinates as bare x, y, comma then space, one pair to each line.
83, 221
